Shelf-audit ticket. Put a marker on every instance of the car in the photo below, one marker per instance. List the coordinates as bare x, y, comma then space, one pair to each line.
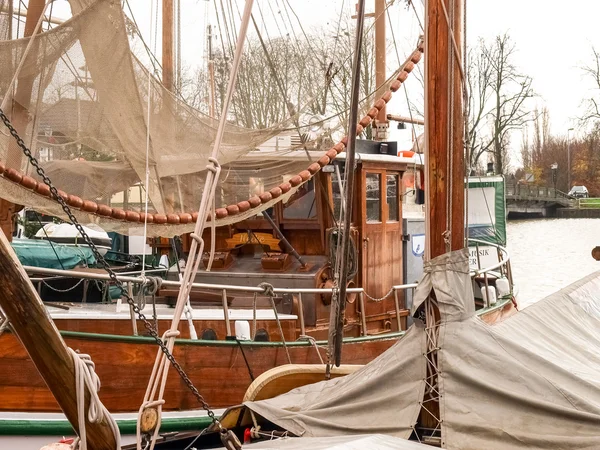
579, 192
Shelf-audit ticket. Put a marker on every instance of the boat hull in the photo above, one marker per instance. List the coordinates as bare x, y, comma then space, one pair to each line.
217, 368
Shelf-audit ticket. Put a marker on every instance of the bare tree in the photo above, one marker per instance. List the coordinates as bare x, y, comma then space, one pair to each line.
592, 112
496, 104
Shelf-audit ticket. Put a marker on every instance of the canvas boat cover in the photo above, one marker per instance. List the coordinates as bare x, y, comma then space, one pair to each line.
370, 442
531, 381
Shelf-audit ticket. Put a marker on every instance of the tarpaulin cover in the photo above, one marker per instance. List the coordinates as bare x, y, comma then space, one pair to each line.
41, 253
531, 381
370, 442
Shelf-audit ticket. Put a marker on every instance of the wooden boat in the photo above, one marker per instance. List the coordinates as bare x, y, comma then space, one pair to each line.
375, 318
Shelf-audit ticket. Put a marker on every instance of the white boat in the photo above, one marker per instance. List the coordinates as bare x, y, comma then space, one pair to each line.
67, 234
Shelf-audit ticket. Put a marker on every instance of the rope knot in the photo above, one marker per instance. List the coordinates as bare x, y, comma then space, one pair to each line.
267, 289
214, 165
153, 284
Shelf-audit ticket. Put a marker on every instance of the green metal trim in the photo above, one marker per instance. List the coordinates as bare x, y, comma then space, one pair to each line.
500, 208
210, 343
44, 427
207, 343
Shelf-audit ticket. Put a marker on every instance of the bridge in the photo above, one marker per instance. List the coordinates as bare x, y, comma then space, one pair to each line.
525, 200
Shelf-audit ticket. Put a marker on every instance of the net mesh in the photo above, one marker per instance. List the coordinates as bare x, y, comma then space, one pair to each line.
98, 119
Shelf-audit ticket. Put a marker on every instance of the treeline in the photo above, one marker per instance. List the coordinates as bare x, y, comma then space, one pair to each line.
544, 149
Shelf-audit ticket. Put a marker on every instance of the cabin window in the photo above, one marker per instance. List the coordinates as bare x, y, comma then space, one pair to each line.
373, 189
302, 204
392, 197
336, 189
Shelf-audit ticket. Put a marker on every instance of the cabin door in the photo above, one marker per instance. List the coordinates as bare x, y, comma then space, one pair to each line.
381, 238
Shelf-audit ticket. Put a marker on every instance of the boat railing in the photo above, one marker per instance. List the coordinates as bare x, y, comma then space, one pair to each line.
500, 268
503, 265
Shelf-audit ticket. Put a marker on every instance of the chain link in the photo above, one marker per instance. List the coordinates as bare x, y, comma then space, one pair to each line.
113, 277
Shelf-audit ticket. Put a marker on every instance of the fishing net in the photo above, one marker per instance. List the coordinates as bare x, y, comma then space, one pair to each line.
107, 131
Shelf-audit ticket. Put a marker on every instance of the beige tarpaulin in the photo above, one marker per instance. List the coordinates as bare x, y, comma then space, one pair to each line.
369, 442
529, 382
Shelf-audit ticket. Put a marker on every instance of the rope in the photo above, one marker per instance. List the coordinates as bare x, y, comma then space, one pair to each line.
158, 380
313, 342
269, 292
147, 162
86, 378
4, 324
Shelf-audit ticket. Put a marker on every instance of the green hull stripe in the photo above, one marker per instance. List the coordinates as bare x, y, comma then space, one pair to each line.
148, 340
63, 427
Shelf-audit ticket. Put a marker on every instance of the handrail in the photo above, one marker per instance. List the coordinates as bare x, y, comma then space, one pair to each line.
208, 286
278, 290
501, 263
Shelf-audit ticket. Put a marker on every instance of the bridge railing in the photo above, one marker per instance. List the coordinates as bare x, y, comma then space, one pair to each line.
588, 203
541, 193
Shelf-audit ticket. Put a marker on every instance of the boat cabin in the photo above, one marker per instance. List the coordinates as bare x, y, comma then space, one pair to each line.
252, 251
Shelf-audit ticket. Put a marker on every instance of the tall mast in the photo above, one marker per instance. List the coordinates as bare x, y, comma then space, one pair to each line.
20, 106
444, 128
381, 122
211, 74
167, 44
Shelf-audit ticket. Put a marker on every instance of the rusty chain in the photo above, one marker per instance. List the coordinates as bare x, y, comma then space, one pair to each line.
113, 277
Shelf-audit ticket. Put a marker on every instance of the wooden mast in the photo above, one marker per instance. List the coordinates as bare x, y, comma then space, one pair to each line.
381, 122
167, 44
40, 337
211, 74
444, 177
444, 128
20, 106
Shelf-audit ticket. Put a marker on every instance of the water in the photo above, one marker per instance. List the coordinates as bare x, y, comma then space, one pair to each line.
549, 254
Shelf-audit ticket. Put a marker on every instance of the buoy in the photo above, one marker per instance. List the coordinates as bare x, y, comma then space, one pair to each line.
406, 153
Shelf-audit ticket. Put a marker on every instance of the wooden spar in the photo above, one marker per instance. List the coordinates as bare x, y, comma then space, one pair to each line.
411, 120
20, 106
167, 44
381, 122
211, 74
38, 334
444, 128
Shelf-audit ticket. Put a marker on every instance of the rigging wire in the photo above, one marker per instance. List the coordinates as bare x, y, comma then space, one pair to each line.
153, 22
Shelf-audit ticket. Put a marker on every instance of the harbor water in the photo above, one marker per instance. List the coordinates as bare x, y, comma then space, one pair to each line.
549, 254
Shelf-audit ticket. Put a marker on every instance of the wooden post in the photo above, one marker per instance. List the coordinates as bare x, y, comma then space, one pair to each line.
381, 122
211, 74
46, 348
19, 113
167, 44
444, 128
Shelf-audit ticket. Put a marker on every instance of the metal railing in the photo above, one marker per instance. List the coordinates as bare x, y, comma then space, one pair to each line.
503, 264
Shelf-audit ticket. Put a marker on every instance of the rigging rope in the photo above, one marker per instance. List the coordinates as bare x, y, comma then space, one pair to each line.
86, 378
156, 386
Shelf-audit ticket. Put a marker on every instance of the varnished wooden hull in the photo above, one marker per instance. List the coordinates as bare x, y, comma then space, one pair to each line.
217, 368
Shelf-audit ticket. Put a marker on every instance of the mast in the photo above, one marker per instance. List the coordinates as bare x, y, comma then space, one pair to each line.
444, 128
211, 74
29, 320
444, 177
167, 44
20, 106
381, 122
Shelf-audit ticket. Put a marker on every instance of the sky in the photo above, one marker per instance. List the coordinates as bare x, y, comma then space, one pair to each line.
553, 40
